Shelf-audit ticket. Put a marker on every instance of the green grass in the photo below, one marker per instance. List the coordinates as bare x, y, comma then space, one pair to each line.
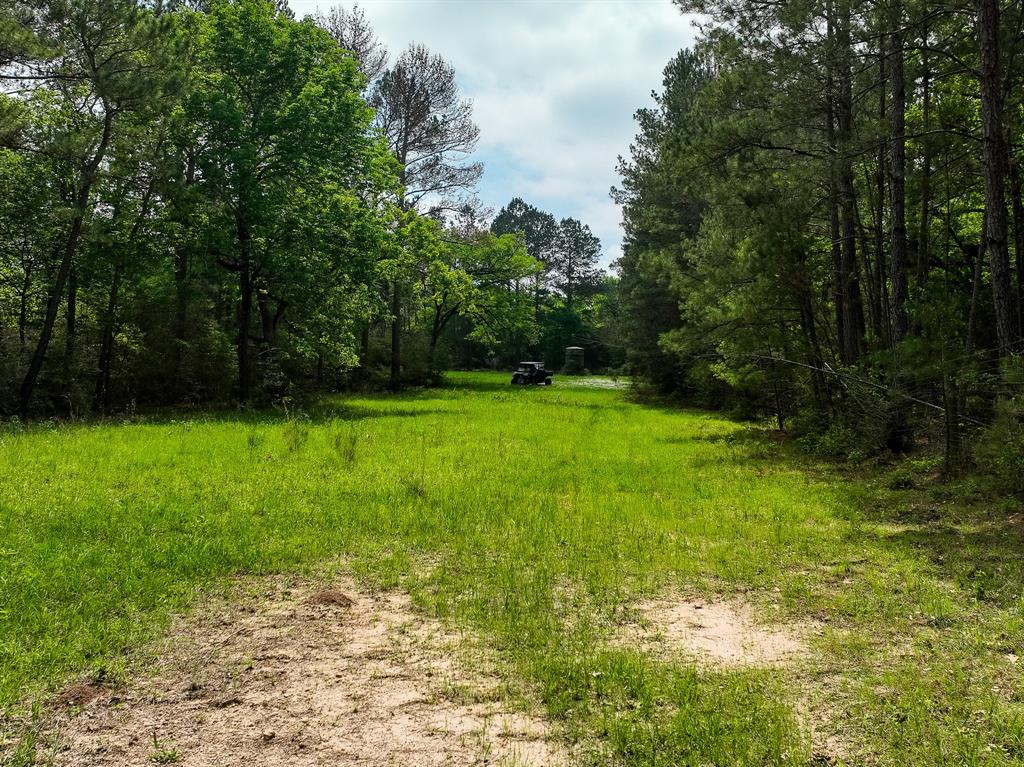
532, 517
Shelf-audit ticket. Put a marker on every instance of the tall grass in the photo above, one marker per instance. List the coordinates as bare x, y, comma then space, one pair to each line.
528, 516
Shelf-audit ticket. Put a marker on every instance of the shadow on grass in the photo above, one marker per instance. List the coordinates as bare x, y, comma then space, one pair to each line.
985, 559
315, 413
318, 408
712, 439
479, 384
969, 537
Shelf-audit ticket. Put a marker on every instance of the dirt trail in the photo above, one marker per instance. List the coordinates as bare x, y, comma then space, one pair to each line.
300, 676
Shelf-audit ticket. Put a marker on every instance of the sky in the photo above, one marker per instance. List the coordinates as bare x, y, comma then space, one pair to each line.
554, 85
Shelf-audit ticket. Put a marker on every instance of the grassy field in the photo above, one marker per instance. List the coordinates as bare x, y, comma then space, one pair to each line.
532, 517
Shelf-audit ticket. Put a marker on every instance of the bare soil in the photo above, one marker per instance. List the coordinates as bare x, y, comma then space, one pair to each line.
723, 634
296, 675
79, 694
716, 633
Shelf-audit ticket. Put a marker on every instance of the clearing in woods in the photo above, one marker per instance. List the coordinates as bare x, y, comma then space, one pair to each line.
482, 574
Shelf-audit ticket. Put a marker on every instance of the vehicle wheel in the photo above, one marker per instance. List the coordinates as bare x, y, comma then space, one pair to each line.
547, 382
517, 380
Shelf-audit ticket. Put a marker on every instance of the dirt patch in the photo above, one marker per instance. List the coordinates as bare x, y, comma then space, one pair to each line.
715, 632
335, 597
730, 634
79, 694
301, 676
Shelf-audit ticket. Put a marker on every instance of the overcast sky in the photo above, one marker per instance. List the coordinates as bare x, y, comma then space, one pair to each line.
554, 84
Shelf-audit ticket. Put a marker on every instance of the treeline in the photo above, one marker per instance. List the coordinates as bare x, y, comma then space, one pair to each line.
825, 224
575, 303
215, 201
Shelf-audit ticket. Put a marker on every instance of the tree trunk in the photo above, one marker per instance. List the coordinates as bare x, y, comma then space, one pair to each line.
70, 334
268, 321
101, 397
994, 167
53, 303
245, 289
396, 337
876, 293
872, 242
181, 269
897, 187
833, 195
837, 273
851, 310
26, 285
88, 176
435, 333
924, 238
431, 353
950, 399
805, 302
1018, 244
976, 253
181, 289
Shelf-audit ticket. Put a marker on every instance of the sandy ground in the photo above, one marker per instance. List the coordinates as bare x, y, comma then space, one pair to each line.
715, 633
724, 634
288, 673
297, 675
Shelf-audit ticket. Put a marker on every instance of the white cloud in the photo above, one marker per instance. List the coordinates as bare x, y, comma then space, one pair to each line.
554, 84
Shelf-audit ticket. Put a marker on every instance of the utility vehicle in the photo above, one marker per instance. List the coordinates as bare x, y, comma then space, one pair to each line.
531, 373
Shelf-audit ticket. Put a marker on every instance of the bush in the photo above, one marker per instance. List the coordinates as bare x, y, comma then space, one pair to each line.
838, 441
999, 450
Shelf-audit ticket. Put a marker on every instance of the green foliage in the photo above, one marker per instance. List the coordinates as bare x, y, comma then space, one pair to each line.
574, 262
833, 267
999, 450
537, 228
241, 210
242, 206
573, 302
838, 441
295, 175
660, 213
479, 283
162, 753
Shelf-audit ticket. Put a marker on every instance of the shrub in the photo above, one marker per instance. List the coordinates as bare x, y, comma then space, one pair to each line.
999, 450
